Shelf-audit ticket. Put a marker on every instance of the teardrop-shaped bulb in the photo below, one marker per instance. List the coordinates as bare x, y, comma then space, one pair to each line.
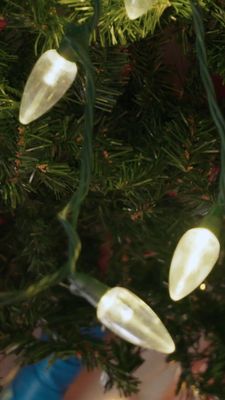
194, 257
50, 78
129, 317
137, 8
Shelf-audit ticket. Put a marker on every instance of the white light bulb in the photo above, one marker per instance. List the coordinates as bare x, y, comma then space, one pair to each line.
50, 78
137, 8
202, 286
129, 317
194, 257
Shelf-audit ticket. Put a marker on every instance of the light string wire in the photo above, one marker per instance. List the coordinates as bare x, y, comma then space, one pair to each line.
69, 215
211, 96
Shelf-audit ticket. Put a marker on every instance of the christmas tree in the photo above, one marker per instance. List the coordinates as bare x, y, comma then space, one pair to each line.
152, 171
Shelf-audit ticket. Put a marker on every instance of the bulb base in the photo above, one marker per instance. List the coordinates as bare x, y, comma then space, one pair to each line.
214, 219
87, 287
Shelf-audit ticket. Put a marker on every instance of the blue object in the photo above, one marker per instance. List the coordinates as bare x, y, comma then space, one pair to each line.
45, 380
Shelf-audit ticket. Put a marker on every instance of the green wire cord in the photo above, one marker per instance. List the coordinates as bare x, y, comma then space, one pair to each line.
69, 215
209, 88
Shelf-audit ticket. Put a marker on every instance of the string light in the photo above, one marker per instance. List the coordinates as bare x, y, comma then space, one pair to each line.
129, 317
50, 78
137, 8
202, 286
123, 313
194, 257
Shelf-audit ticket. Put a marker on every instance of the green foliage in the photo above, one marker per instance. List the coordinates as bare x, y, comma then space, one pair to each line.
114, 27
155, 174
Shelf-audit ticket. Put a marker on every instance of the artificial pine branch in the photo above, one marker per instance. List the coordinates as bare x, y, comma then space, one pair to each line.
156, 164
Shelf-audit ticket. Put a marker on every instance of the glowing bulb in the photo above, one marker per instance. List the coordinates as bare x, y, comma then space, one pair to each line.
50, 78
193, 259
136, 8
202, 286
129, 317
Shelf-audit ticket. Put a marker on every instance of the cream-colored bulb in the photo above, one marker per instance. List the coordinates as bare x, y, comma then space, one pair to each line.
202, 286
129, 317
194, 257
50, 78
137, 8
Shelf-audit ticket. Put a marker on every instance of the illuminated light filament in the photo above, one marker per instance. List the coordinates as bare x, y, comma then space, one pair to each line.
54, 72
202, 286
